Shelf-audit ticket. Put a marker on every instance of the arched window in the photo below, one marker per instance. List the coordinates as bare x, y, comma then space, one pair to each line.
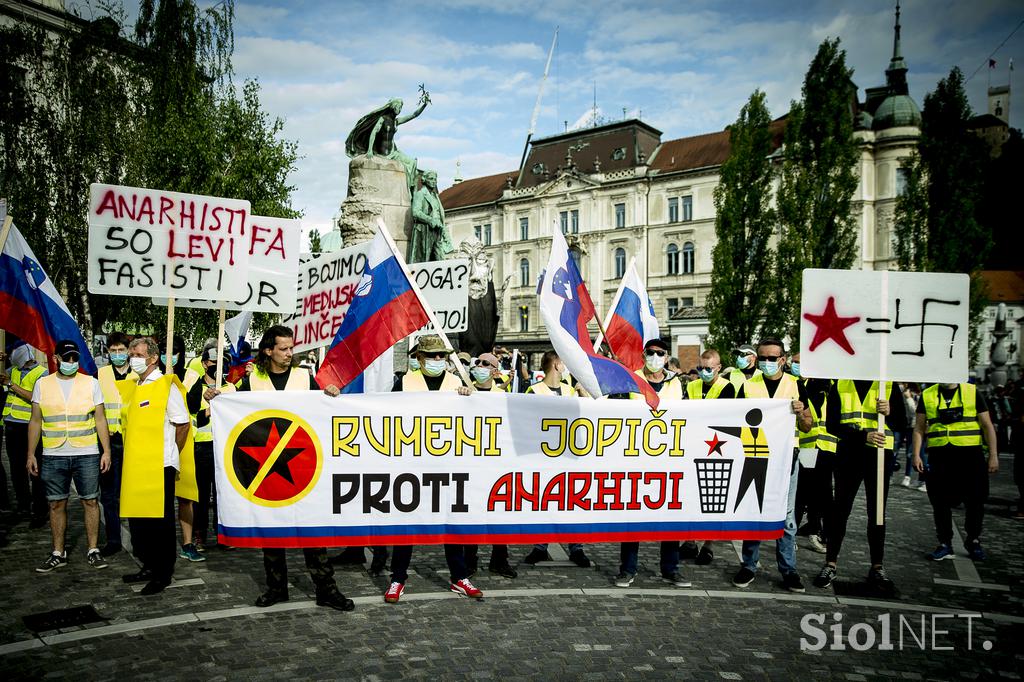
673, 259
620, 263
688, 258
524, 273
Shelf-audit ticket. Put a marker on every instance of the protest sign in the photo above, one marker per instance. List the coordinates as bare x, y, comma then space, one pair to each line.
145, 242
394, 468
326, 286
274, 245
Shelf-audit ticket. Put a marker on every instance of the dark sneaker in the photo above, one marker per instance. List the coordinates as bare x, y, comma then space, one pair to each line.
792, 582
199, 545
705, 556
975, 551
335, 600
942, 552
394, 593
95, 559
271, 597
189, 552
578, 557
879, 580
537, 555
677, 579
502, 569
154, 587
350, 556
142, 576
743, 577
624, 579
108, 550
53, 561
688, 550
826, 576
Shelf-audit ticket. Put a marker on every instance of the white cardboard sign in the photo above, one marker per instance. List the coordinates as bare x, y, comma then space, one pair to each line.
145, 242
882, 325
274, 245
327, 284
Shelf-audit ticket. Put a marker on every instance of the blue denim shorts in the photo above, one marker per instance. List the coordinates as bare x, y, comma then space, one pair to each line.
58, 471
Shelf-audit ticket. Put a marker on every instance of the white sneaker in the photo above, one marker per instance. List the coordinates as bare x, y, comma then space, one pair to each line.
816, 544
905, 482
923, 488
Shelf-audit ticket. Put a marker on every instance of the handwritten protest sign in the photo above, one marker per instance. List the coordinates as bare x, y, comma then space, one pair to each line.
393, 469
326, 286
274, 245
145, 242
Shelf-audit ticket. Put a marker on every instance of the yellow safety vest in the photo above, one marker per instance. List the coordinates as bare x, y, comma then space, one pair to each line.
737, 378
191, 377
72, 421
112, 396
788, 389
204, 433
414, 381
671, 389
695, 389
540, 388
298, 380
966, 431
195, 366
818, 437
862, 416
16, 407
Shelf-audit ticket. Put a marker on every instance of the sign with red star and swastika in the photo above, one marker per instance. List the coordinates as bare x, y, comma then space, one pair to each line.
273, 458
882, 325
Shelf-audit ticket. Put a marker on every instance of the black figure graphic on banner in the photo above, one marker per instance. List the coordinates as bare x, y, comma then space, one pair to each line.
755, 456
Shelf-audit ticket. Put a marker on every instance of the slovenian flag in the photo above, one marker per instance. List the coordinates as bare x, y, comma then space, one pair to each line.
30, 306
384, 310
631, 322
566, 308
237, 328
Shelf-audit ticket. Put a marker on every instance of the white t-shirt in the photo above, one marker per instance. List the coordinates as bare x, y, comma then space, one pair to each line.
176, 414
67, 449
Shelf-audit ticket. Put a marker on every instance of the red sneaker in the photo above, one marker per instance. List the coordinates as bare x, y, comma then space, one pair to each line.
464, 588
394, 593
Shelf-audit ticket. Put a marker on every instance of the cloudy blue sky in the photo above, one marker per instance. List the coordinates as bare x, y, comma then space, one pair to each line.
687, 67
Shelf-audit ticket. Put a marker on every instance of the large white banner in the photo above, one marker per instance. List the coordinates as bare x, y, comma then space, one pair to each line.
145, 242
326, 286
274, 245
897, 326
308, 470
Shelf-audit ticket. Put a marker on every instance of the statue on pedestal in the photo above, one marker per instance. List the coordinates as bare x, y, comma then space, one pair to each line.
374, 134
430, 239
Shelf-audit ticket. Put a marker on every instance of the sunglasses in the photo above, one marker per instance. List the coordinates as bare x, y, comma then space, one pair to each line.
650, 353
701, 369
768, 358
485, 364
435, 356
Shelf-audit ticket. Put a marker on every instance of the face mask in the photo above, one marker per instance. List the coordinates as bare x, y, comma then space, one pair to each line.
138, 365
68, 368
414, 364
794, 367
118, 359
434, 368
768, 368
174, 359
706, 374
480, 374
742, 362
655, 362
211, 371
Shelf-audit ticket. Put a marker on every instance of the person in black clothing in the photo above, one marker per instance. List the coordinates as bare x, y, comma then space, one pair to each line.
814, 491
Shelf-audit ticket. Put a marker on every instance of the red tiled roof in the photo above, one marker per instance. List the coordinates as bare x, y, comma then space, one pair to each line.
701, 151
1004, 286
476, 191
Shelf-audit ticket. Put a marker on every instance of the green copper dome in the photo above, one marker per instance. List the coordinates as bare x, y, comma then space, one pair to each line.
896, 111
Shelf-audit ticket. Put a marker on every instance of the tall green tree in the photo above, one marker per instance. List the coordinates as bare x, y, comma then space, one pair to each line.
741, 282
818, 178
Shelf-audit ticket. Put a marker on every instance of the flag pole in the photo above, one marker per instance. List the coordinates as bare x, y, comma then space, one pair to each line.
883, 390
170, 336
220, 344
423, 302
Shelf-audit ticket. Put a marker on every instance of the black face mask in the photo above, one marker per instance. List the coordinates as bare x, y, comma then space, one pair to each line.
211, 371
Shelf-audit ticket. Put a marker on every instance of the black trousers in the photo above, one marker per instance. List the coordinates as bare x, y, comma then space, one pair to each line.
155, 541
275, 564
29, 491
854, 466
958, 474
110, 490
207, 491
814, 493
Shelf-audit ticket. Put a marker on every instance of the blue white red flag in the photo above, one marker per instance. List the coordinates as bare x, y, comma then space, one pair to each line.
566, 308
237, 328
384, 310
30, 306
631, 322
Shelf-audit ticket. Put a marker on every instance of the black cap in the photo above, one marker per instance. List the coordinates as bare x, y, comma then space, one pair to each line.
67, 350
656, 343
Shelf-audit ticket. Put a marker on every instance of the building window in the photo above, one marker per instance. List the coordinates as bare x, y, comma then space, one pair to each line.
688, 258
673, 306
574, 222
620, 263
687, 301
673, 210
563, 221
524, 228
901, 181
687, 208
620, 215
524, 273
524, 318
487, 235
478, 232
673, 259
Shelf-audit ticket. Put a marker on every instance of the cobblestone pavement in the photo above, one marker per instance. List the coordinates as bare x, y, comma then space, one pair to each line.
552, 621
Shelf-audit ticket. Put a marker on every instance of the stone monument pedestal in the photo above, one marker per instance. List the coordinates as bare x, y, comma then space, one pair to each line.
377, 188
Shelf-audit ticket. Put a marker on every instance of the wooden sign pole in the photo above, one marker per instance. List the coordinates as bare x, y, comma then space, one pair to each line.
220, 345
170, 335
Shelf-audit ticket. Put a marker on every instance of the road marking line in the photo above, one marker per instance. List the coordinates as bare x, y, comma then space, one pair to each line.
23, 645
557, 552
966, 571
964, 583
188, 582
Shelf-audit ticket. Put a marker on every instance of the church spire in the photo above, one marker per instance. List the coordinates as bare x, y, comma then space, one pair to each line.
896, 39
896, 74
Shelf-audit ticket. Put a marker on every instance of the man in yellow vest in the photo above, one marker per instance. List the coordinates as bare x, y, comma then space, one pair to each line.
29, 491
852, 417
955, 420
199, 409
67, 410
668, 385
273, 371
112, 378
745, 366
771, 381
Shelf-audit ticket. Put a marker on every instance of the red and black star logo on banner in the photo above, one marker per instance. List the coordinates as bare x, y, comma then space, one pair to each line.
275, 460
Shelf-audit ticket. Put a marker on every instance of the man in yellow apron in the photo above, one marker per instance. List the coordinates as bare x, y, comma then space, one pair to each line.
157, 442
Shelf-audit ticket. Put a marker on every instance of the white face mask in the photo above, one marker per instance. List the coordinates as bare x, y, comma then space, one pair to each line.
434, 368
414, 364
655, 362
481, 375
138, 365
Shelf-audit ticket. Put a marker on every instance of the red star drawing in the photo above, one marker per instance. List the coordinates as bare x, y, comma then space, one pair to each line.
280, 466
715, 445
831, 326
